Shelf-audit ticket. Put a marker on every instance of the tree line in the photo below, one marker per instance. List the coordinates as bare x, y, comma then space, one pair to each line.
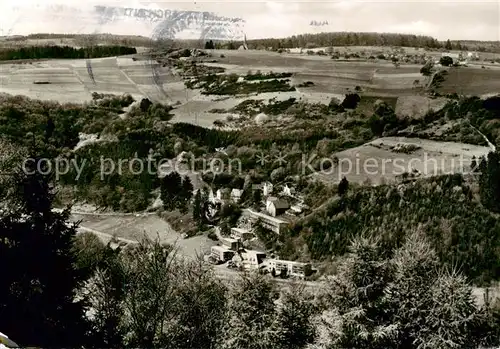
42, 52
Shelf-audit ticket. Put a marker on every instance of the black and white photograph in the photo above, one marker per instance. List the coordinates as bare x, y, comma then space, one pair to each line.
250, 174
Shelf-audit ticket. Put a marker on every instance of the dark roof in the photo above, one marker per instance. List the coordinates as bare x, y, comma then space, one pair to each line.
281, 204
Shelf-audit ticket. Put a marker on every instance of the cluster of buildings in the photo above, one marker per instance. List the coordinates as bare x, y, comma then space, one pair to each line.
276, 213
230, 251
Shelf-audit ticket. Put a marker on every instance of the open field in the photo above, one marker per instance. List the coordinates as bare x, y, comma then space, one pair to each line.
75, 80
134, 227
328, 75
471, 80
378, 162
417, 106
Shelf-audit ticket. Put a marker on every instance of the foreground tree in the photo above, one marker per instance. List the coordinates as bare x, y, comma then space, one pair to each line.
151, 280
201, 307
105, 294
354, 302
251, 315
294, 327
433, 307
147, 296
408, 301
37, 290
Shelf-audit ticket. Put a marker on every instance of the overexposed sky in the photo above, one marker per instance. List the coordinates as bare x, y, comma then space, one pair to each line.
456, 20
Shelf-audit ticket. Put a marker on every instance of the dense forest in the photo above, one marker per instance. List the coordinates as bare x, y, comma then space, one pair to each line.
42, 52
371, 39
445, 209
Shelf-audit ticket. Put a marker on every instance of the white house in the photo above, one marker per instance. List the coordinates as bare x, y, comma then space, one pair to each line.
223, 194
242, 234
253, 259
267, 188
236, 195
275, 206
269, 200
292, 268
472, 55
272, 223
288, 191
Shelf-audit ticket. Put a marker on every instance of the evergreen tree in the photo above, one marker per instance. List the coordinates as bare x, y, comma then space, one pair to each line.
37, 289
448, 45
356, 297
473, 164
171, 191
49, 129
257, 198
293, 323
343, 186
434, 308
209, 45
198, 207
251, 315
185, 195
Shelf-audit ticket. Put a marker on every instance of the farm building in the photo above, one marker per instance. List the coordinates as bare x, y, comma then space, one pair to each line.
291, 268
241, 234
274, 224
296, 50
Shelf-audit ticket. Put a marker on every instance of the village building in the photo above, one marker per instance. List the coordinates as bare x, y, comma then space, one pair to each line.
272, 223
288, 191
275, 206
236, 195
221, 254
253, 259
231, 244
223, 194
291, 268
267, 188
241, 234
